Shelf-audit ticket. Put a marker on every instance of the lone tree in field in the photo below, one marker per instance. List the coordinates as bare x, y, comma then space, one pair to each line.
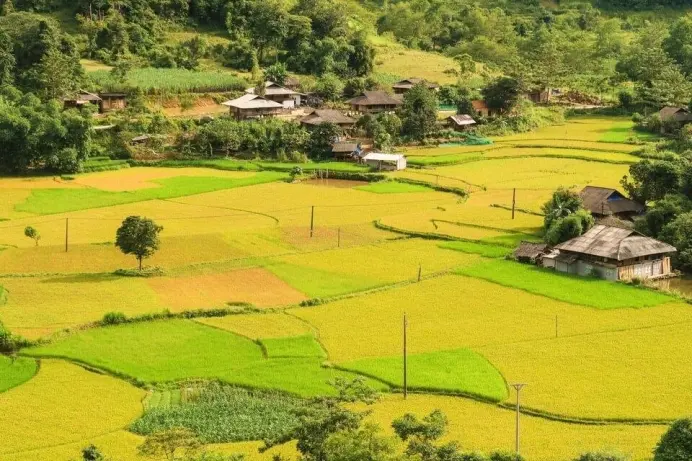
32, 234
138, 236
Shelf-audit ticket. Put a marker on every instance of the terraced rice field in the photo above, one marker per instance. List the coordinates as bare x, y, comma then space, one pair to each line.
330, 303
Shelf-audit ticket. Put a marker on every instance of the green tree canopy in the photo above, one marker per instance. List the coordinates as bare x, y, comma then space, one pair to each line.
419, 112
138, 236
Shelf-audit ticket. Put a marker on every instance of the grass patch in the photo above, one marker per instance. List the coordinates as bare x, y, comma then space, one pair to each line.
392, 187
459, 371
488, 251
584, 291
166, 351
220, 414
297, 346
14, 373
51, 201
319, 283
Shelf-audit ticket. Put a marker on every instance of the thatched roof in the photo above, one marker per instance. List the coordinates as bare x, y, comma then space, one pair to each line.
409, 83
252, 101
677, 114
531, 250
615, 244
375, 98
603, 201
462, 120
319, 116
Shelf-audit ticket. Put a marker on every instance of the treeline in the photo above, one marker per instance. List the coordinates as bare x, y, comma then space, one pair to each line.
574, 46
311, 36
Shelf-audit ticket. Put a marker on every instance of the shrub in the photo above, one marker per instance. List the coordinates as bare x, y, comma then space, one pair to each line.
600, 456
676, 443
505, 456
114, 318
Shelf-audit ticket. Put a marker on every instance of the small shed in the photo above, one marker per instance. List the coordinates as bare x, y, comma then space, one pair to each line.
81, 99
531, 252
386, 162
347, 150
112, 101
460, 122
481, 108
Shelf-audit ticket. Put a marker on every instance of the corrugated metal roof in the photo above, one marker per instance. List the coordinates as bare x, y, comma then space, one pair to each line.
462, 119
384, 157
615, 243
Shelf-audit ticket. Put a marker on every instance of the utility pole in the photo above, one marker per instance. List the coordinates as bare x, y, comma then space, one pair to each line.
420, 271
312, 221
556, 326
338, 238
518, 387
405, 360
67, 232
514, 200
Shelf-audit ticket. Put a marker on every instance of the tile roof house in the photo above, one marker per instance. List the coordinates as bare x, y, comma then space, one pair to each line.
614, 254
402, 86
374, 102
319, 116
531, 252
252, 106
602, 201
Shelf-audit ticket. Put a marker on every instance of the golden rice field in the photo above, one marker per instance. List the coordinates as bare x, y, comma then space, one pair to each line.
244, 238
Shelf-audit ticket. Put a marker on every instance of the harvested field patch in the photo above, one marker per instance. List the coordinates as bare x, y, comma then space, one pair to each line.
64, 404
16, 372
52, 201
131, 179
258, 326
482, 427
258, 287
458, 371
585, 291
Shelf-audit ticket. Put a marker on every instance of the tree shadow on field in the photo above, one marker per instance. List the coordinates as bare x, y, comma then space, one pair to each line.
82, 278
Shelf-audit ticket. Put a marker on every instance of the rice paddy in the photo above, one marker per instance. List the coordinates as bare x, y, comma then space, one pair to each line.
329, 302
